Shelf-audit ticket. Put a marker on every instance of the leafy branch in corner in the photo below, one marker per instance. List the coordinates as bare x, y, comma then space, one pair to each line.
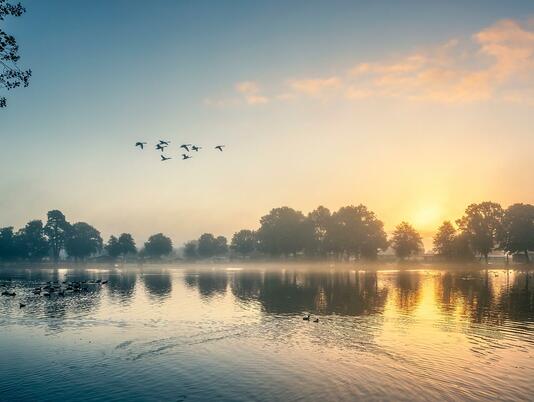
11, 76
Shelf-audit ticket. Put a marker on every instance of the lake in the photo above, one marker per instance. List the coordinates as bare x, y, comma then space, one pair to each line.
236, 333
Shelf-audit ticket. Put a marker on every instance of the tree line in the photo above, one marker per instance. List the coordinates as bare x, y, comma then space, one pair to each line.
37, 241
351, 232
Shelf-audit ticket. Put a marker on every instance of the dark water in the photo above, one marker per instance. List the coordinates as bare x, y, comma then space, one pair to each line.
227, 333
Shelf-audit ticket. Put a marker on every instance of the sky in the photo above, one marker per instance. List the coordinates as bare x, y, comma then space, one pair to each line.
415, 109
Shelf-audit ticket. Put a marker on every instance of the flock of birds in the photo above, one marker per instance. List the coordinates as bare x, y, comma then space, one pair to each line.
162, 145
55, 287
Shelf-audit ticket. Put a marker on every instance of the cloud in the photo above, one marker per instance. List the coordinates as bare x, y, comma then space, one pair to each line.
496, 63
250, 90
315, 86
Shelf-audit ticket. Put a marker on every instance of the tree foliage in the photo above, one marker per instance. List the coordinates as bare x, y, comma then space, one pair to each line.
482, 224
11, 76
82, 241
244, 242
518, 229
158, 245
406, 241
56, 230
284, 231
31, 241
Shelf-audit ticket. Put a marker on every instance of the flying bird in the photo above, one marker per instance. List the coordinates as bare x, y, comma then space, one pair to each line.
140, 144
184, 157
160, 147
185, 146
164, 158
220, 147
195, 148
166, 143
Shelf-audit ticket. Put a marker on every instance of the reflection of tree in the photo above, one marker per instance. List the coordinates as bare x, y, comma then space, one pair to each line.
122, 285
408, 290
208, 283
518, 301
158, 284
291, 292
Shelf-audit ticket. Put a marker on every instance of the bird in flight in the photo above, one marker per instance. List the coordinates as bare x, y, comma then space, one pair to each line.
164, 158
160, 147
219, 147
140, 144
185, 146
184, 157
196, 148
165, 143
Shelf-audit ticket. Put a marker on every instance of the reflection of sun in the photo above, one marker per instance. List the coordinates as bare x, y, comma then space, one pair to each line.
427, 217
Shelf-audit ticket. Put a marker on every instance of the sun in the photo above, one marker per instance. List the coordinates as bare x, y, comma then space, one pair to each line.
427, 217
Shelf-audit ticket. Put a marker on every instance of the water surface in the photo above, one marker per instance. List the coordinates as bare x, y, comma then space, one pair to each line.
236, 333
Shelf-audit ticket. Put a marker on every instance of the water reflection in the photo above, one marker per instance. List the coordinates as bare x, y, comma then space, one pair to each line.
202, 330
158, 283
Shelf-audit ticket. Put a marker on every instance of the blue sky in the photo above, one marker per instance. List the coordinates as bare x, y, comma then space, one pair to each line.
109, 73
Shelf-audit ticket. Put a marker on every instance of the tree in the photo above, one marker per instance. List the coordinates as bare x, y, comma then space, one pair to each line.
284, 231
127, 244
56, 230
11, 76
321, 222
158, 245
82, 241
8, 249
482, 224
190, 250
406, 241
444, 240
451, 244
221, 245
31, 241
355, 230
207, 245
518, 229
244, 242
112, 247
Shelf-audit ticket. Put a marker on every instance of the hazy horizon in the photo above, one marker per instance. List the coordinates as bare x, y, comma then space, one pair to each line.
416, 116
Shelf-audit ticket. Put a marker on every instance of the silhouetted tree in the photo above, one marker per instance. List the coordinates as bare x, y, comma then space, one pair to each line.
221, 245
444, 240
31, 241
356, 231
190, 250
284, 231
56, 231
321, 221
158, 245
406, 241
244, 242
127, 244
82, 241
112, 247
461, 248
11, 76
209, 246
8, 249
518, 229
483, 225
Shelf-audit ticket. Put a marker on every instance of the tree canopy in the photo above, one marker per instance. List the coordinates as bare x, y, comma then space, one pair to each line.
11, 76
406, 241
82, 241
518, 229
482, 224
158, 245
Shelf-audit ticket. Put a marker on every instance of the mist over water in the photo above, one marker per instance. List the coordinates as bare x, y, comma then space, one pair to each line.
189, 333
